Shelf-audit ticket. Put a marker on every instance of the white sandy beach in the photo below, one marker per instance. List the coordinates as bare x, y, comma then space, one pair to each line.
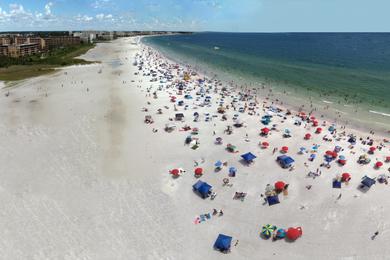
82, 176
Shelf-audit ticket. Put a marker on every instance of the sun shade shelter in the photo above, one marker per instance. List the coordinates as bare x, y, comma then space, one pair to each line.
272, 200
368, 182
285, 161
202, 188
248, 157
179, 116
336, 184
223, 243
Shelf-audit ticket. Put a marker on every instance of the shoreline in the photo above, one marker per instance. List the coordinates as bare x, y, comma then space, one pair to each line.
381, 132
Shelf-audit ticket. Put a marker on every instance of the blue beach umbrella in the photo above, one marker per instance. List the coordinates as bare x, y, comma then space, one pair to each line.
218, 164
342, 157
302, 149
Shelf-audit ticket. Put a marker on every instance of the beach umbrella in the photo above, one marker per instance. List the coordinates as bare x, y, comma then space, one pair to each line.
265, 130
232, 170
174, 172
372, 149
218, 140
265, 144
267, 230
345, 177
387, 158
218, 164
279, 185
315, 123
281, 233
307, 136
198, 171
378, 164
287, 131
342, 157
284, 149
294, 233
331, 128
318, 130
302, 150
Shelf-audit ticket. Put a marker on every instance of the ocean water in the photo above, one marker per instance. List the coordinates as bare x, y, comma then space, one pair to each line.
349, 71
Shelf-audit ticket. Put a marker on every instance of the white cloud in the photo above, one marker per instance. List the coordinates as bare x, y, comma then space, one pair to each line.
98, 4
84, 18
48, 8
101, 17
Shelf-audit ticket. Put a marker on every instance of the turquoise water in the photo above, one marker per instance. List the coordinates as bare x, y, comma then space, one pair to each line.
348, 69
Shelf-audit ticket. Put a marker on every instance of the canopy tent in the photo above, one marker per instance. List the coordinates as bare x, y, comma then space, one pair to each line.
336, 184
368, 182
285, 161
272, 200
223, 243
248, 157
203, 188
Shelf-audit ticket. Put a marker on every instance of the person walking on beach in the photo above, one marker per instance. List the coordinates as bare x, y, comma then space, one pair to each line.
375, 234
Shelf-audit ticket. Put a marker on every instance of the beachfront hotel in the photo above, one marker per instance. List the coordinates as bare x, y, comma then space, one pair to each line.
20, 46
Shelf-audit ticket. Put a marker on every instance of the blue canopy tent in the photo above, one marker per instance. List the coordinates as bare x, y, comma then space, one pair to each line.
248, 157
202, 188
285, 161
337, 184
272, 200
223, 243
368, 182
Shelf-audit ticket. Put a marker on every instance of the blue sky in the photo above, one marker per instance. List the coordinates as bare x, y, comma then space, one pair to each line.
197, 15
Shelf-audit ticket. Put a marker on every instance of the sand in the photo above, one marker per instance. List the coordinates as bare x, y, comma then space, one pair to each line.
82, 177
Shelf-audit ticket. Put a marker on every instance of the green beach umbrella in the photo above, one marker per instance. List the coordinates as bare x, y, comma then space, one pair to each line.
267, 230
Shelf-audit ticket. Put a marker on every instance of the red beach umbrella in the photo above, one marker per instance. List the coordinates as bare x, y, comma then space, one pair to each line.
315, 123
346, 177
378, 164
174, 172
318, 130
294, 233
279, 185
307, 136
198, 171
387, 158
284, 149
329, 153
265, 144
265, 130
